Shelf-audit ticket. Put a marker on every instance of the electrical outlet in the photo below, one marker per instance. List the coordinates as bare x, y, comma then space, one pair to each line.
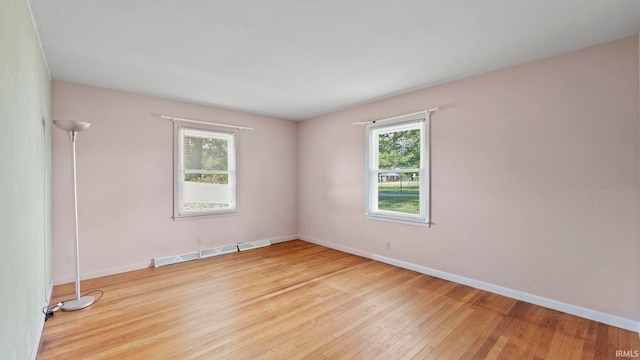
200, 241
388, 244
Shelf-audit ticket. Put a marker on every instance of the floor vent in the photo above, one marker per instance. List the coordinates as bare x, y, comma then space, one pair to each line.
253, 245
176, 259
218, 251
205, 253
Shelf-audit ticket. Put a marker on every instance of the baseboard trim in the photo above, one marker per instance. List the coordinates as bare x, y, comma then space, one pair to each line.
103, 272
337, 247
138, 266
36, 346
586, 313
283, 239
590, 314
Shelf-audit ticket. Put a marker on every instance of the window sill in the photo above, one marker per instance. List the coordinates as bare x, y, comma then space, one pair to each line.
406, 221
205, 215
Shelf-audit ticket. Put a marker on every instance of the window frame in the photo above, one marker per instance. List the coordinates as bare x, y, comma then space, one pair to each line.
178, 170
372, 171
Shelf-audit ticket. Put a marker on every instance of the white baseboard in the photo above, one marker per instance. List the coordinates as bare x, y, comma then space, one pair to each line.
609, 319
103, 272
283, 239
337, 247
36, 346
138, 266
590, 314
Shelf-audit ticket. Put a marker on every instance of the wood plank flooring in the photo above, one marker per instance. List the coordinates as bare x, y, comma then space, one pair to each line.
297, 300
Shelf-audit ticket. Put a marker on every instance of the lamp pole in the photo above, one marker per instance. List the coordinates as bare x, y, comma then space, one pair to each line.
72, 128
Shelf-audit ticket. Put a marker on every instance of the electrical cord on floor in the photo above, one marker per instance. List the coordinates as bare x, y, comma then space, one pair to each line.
95, 291
51, 309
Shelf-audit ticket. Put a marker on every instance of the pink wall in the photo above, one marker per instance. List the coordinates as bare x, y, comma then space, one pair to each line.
534, 179
125, 182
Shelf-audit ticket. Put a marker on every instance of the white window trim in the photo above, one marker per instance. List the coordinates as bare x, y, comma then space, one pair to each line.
372, 172
178, 172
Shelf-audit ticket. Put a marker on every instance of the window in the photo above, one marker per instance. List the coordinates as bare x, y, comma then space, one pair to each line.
205, 172
398, 169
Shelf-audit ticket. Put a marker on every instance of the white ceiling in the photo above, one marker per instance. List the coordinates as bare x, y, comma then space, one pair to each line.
298, 59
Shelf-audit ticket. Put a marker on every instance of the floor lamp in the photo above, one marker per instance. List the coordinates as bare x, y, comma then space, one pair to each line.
73, 128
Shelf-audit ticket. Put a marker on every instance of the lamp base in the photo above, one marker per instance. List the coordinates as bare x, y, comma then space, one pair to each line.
77, 304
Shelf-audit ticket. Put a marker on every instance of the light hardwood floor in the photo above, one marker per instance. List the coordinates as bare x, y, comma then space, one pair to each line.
297, 300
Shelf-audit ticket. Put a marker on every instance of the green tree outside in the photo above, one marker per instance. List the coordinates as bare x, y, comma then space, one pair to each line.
399, 150
206, 154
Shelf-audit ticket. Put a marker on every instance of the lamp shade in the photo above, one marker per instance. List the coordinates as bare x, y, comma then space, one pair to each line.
71, 125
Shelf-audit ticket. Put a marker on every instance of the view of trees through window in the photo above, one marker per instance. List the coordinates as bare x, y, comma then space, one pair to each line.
399, 150
399, 190
205, 155
207, 182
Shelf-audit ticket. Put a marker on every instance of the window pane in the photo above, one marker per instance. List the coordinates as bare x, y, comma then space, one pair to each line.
398, 169
399, 149
205, 153
204, 206
205, 174
207, 178
399, 192
211, 194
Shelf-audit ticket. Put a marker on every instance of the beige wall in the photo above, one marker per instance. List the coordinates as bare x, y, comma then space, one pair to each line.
534, 179
125, 182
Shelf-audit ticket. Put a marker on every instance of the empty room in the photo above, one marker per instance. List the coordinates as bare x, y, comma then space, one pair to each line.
412, 179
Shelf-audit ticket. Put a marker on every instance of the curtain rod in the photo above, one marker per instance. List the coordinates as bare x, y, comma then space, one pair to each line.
395, 117
174, 119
